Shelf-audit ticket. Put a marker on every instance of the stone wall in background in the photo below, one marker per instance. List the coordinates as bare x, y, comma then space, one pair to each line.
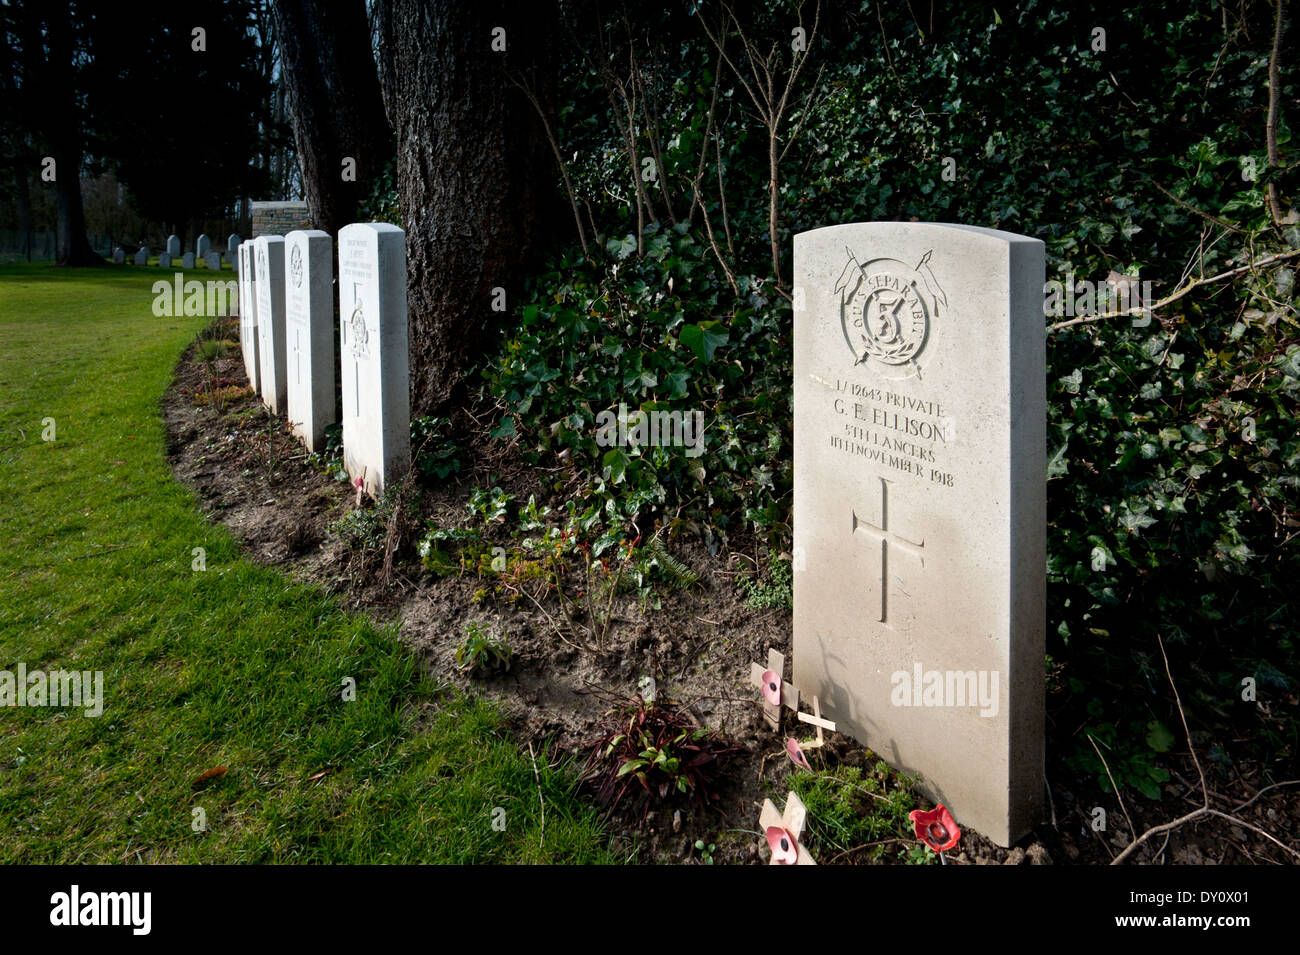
279, 218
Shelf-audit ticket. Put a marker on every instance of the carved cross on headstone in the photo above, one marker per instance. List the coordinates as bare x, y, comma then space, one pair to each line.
774, 685
887, 538
783, 830
815, 718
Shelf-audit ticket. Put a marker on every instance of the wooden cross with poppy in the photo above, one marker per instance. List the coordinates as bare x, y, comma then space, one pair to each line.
783, 831
771, 683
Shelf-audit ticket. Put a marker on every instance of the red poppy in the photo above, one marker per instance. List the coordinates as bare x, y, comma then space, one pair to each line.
785, 850
796, 754
772, 687
936, 828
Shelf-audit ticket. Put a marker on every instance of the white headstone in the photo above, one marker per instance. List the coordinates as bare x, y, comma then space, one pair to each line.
373, 353
202, 245
214, 261
248, 333
164, 260
142, 256
232, 243
173, 245
920, 505
268, 265
309, 333
187, 260
119, 256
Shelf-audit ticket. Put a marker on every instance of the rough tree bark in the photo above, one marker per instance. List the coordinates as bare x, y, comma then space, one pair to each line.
473, 169
333, 100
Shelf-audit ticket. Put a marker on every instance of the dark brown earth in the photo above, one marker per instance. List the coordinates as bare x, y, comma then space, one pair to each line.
253, 477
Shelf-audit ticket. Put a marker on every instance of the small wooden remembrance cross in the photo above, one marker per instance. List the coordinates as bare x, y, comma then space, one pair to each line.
774, 685
815, 718
783, 831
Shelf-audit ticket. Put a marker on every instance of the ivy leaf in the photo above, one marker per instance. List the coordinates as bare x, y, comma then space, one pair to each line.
1159, 738
704, 338
621, 247
1058, 465
1147, 787
616, 461
1136, 521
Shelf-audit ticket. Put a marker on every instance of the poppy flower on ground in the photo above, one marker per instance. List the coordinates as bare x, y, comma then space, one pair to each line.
784, 848
936, 828
796, 754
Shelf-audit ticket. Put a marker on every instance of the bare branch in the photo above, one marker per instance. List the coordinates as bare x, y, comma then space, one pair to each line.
1178, 293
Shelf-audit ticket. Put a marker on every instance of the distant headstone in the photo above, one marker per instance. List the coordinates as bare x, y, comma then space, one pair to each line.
119, 256
214, 261
164, 260
309, 332
202, 245
248, 332
268, 265
187, 260
373, 353
142, 256
920, 505
232, 243
173, 245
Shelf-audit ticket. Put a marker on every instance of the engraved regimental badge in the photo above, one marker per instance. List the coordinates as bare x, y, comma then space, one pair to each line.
886, 307
295, 266
360, 335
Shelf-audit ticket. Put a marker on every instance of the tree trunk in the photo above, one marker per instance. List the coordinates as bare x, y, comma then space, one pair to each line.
70, 244
333, 100
472, 168
61, 128
23, 201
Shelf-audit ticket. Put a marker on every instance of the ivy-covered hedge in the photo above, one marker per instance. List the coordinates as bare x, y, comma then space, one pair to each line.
1132, 143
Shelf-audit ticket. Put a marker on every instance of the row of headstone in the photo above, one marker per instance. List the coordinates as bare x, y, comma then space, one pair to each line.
287, 337
210, 258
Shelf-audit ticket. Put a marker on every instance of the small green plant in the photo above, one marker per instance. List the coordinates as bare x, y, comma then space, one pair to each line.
1131, 753
367, 529
436, 455
212, 349
652, 747
453, 550
773, 593
481, 653
705, 851
856, 808
330, 458
489, 506
918, 855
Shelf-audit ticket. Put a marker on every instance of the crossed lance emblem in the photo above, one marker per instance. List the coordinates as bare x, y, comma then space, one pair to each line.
886, 309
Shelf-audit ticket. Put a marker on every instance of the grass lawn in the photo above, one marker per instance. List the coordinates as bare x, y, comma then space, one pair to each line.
234, 666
